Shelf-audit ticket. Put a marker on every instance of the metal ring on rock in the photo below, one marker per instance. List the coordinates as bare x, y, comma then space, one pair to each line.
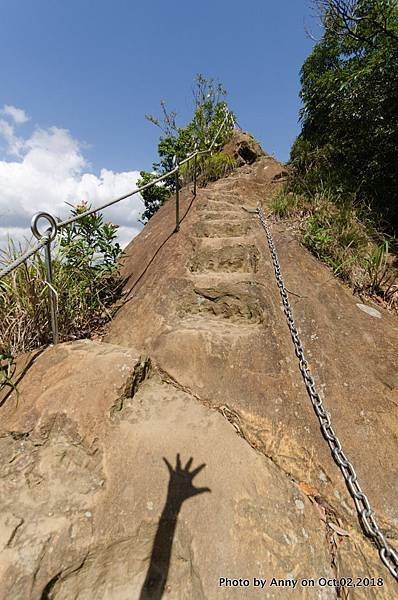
53, 229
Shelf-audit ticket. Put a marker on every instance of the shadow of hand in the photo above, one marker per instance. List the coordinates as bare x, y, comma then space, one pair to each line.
180, 484
180, 488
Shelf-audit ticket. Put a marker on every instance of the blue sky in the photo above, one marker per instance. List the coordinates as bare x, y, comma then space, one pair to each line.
95, 68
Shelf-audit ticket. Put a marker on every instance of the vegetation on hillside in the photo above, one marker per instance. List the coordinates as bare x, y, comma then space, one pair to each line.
208, 114
344, 167
339, 233
349, 88
85, 279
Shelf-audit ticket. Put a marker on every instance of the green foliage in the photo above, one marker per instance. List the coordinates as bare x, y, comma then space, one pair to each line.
349, 137
343, 236
285, 203
23, 306
84, 277
89, 243
376, 264
154, 197
216, 166
209, 168
334, 233
208, 114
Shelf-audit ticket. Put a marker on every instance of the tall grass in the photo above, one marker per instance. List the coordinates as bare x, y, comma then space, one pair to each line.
209, 168
344, 237
85, 278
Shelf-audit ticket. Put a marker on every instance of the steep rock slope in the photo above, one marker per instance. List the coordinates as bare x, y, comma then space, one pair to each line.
208, 310
198, 363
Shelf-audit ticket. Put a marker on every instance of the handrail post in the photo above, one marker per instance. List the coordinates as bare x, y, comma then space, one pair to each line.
175, 161
195, 159
194, 173
52, 295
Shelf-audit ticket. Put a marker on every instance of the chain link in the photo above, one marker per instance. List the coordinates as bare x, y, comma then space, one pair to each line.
387, 554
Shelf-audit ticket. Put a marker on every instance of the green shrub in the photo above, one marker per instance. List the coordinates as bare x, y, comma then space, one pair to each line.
208, 168
377, 267
154, 197
208, 114
216, 166
335, 235
285, 203
343, 236
85, 279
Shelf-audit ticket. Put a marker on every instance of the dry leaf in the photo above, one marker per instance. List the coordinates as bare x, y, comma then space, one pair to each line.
307, 489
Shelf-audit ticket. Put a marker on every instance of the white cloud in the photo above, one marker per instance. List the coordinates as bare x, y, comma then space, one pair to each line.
14, 144
17, 114
50, 170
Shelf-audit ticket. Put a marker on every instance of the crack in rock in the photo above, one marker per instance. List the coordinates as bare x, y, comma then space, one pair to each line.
142, 371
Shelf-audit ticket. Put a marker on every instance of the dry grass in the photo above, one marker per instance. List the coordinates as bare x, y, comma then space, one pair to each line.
86, 290
209, 168
344, 238
84, 304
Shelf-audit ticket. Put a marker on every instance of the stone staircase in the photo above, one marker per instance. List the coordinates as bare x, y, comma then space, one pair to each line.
198, 363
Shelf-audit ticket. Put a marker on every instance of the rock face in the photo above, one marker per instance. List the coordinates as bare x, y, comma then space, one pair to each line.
243, 148
182, 452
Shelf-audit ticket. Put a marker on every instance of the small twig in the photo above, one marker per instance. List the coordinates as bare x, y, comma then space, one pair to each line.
294, 294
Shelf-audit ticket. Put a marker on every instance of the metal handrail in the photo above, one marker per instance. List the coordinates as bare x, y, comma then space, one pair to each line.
45, 239
152, 183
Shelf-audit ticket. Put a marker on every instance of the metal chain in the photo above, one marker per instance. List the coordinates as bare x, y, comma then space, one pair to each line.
387, 554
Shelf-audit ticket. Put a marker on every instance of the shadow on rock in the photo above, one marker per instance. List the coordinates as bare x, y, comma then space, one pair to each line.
180, 489
129, 296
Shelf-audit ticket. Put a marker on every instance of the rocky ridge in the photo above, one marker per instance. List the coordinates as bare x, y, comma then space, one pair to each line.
198, 363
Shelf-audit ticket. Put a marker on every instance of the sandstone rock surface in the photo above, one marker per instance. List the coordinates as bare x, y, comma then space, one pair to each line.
198, 364
243, 148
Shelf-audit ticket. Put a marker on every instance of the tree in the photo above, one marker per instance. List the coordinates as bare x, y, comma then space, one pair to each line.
153, 196
349, 86
360, 21
208, 114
